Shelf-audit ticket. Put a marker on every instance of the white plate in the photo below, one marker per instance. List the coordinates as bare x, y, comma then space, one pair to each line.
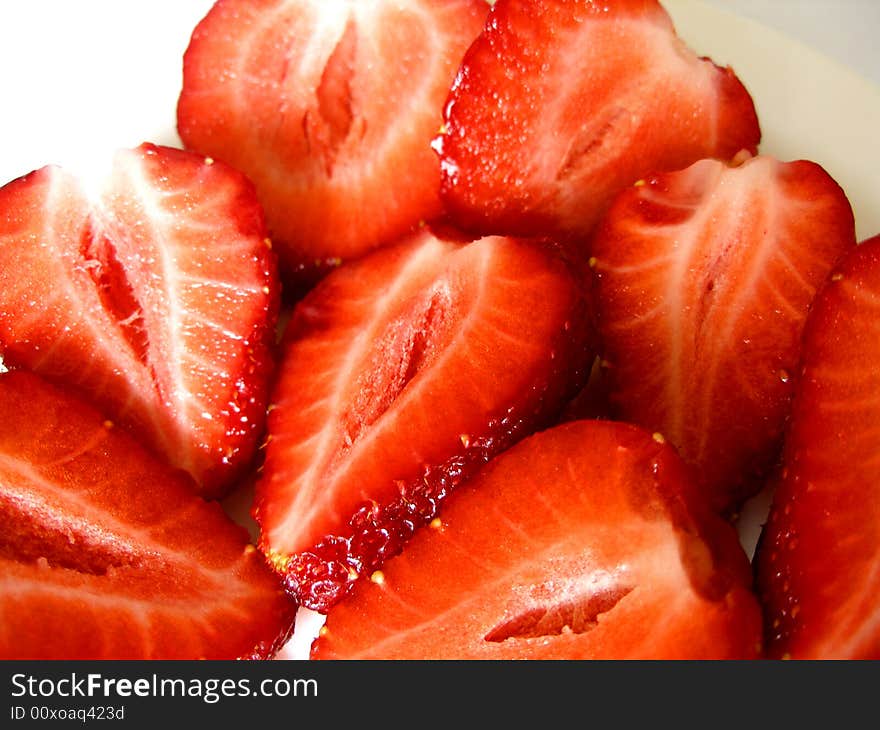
81, 79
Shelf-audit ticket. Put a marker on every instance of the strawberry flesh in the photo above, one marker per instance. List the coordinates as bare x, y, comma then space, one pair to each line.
401, 374
704, 278
158, 300
586, 541
330, 109
818, 562
560, 104
106, 553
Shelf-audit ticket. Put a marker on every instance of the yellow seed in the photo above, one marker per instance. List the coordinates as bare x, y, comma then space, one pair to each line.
279, 561
323, 631
249, 549
378, 577
108, 424
658, 437
267, 242
465, 440
266, 290
209, 160
592, 262
836, 277
436, 523
784, 376
638, 183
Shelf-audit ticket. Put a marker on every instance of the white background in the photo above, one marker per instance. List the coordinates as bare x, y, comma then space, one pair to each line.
846, 30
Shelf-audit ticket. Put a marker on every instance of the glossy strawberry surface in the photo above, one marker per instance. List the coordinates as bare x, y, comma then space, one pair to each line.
560, 104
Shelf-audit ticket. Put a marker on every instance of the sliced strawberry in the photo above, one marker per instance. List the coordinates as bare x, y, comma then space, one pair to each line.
705, 277
330, 109
402, 373
586, 541
560, 104
107, 553
158, 300
819, 556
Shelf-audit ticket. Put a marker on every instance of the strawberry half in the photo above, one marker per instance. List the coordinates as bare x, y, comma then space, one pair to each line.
586, 541
158, 300
560, 104
403, 372
704, 280
107, 553
330, 109
819, 556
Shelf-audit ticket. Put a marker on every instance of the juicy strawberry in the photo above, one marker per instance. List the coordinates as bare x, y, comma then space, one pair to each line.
705, 277
402, 373
107, 553
560, 104
158, 300
819, 556
330, 109
582, 542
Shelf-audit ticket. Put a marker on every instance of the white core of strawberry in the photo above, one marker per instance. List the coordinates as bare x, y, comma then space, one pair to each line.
92, 167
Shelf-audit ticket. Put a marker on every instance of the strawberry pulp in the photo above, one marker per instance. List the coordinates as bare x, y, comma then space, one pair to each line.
158, 299
818, 562
330, 109
585, 541
703, 281
106, 553
402, 373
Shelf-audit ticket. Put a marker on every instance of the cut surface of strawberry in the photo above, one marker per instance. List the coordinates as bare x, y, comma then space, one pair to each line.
106, 553
158, 299
819, 556
704, 280
330, 108
401, 373
560, 104
585, 541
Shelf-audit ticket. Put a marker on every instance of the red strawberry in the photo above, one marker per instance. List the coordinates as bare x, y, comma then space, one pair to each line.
157, 299
107, 553
330, 109
819, 556
402, 373
560, 104
582, 542
705, 277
